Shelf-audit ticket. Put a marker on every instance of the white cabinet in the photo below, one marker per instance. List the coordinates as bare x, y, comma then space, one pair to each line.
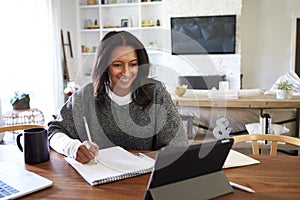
143, 19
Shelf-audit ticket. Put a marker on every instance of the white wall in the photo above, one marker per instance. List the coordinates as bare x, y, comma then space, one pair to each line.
202, 64
68, 23
268, 32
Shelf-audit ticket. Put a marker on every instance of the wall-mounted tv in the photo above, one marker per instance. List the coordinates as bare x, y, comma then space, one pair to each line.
203, 34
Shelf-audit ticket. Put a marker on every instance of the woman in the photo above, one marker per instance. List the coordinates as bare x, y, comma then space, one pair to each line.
122, 106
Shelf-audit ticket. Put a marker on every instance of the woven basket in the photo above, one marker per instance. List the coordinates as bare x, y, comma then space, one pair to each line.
27, 116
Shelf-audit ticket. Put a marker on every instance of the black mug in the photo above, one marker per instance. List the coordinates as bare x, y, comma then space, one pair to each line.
36, 145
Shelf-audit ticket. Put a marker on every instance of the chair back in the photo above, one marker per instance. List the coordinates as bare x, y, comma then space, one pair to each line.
274, 139
20, 127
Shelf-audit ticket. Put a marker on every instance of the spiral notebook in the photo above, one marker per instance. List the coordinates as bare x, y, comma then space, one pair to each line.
114, 163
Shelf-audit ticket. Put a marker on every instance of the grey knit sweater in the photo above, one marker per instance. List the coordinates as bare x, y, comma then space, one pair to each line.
130, 126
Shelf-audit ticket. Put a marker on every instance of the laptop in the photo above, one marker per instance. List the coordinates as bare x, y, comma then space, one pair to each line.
193, 172
16, 181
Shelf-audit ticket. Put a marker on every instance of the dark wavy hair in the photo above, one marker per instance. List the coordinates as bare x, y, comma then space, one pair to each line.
100, 77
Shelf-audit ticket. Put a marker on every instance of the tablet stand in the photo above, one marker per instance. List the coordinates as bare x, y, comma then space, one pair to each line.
202, 187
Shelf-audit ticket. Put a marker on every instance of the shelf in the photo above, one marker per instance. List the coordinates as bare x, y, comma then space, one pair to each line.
151, 27
154, 50
119, 5
90, 30
88, 53
121, 29
89, 6
151, 3
111, 16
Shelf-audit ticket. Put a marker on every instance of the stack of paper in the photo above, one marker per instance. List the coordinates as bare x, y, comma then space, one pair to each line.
250, 92
217, 94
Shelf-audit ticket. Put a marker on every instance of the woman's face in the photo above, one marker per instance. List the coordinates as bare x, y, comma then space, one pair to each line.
123, 69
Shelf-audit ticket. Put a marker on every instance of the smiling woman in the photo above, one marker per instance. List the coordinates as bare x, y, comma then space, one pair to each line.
122, 105
28, 53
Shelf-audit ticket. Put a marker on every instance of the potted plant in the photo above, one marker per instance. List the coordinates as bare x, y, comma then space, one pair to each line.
284, 90
20, 101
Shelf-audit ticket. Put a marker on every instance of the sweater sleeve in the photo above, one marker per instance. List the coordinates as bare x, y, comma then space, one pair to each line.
172, 131
64, 122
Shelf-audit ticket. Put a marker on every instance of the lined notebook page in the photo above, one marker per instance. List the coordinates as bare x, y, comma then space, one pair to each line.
237, 159
114, 164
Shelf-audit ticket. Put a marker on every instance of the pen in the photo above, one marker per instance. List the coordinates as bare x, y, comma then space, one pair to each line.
241, 187
88, 134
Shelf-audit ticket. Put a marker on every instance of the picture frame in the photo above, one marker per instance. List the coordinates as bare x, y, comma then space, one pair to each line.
124, 22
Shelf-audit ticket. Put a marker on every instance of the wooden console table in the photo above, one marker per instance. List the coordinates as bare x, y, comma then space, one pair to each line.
251, 102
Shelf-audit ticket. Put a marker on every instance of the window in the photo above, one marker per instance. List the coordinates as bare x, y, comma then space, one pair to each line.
29, 54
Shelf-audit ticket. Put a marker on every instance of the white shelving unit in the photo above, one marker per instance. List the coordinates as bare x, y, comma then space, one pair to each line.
135, 16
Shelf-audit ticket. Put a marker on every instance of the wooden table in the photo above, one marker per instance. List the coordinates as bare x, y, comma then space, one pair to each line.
274, 178
261, 102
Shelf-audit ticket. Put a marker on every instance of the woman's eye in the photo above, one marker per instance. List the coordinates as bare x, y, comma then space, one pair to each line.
133, 64
117, 64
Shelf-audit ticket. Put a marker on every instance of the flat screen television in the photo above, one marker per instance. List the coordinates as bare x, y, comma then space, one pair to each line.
203, 34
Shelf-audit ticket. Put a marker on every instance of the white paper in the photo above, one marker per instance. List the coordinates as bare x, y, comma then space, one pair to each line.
237, 159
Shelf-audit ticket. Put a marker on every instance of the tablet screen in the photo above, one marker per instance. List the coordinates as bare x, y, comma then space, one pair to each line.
179, 163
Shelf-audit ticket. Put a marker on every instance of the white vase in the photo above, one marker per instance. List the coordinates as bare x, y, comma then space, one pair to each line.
284, 94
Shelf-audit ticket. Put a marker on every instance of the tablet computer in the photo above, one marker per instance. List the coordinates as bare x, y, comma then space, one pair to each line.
176, 164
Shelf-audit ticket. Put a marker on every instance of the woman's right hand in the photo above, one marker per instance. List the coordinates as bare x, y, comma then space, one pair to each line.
87, 152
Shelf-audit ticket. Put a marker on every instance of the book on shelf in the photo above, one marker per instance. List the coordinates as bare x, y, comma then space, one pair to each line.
114, 163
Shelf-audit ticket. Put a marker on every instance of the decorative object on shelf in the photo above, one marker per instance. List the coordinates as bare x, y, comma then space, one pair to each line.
91, 2
180, 90
130, 21
84, 49
124, 22
89, 25
20, 101
95, 25
111, 1
71, 88
157, 22
108, 26
147, 23
284, 90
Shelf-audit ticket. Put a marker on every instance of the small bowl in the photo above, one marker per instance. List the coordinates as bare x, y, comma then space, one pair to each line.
180, 90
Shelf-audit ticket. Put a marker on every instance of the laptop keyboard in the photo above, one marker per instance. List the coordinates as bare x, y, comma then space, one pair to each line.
6, 189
